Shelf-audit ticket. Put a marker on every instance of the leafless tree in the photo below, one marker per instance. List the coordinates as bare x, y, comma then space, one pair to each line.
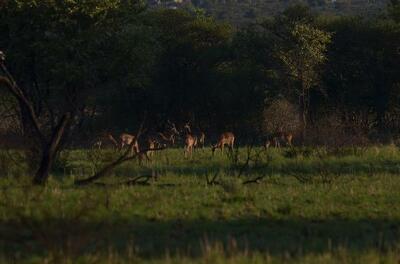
46, 130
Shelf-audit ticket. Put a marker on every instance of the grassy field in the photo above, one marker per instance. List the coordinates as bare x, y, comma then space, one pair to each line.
309, 206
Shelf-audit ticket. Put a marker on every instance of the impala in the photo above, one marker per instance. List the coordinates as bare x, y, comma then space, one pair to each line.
277, 138
227, 138
171, 134
200, 135
202, 140
129, 140
112, 139
104, 138
152, 142
190, 143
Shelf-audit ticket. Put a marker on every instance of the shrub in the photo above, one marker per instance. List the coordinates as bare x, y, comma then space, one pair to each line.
339, 135
281, 115
12, 163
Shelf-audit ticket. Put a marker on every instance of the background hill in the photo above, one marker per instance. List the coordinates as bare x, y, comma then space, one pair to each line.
245, 11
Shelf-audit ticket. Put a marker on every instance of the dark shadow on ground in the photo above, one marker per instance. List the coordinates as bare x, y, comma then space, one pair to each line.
153, 238
285, 169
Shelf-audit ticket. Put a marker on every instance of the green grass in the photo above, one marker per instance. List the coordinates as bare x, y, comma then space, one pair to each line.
343, 209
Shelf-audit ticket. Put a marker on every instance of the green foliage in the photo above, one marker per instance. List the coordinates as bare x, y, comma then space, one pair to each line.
301, 152
394, 10
362, 72
12, 164
231, 185
244, 12
307, 55
66, 53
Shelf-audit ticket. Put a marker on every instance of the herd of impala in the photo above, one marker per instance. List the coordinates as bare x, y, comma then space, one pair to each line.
192, 139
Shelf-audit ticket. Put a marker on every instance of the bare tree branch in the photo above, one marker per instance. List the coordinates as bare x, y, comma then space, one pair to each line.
10, 83
256, 180
108, 168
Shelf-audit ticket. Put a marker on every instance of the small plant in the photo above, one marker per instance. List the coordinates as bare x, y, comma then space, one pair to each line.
231, 185
95, 157
246, 165
300, 152
61, 162
285, 209
234, 158
280, 115
12, 163
322, 175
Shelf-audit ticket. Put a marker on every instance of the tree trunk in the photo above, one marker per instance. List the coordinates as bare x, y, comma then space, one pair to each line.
303, 110
304, 121
49, 148
42, 174
50, 151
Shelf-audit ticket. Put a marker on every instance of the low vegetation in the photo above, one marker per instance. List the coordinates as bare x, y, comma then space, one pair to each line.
308, 206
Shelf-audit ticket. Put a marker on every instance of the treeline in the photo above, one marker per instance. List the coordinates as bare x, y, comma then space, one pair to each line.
110, 63
241, 12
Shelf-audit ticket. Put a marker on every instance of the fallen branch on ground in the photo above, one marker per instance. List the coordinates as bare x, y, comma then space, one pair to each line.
140, 180
108, 168
213, 181
256, 180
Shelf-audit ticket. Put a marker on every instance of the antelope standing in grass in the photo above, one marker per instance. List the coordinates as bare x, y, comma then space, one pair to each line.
104, 138
152, 142
133, 143
171, 134
129, 140
227, 138
202, 140
200, 136
276, 139
190, 143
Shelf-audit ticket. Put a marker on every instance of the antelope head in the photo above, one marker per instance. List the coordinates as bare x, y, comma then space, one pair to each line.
2, 57
172, 128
